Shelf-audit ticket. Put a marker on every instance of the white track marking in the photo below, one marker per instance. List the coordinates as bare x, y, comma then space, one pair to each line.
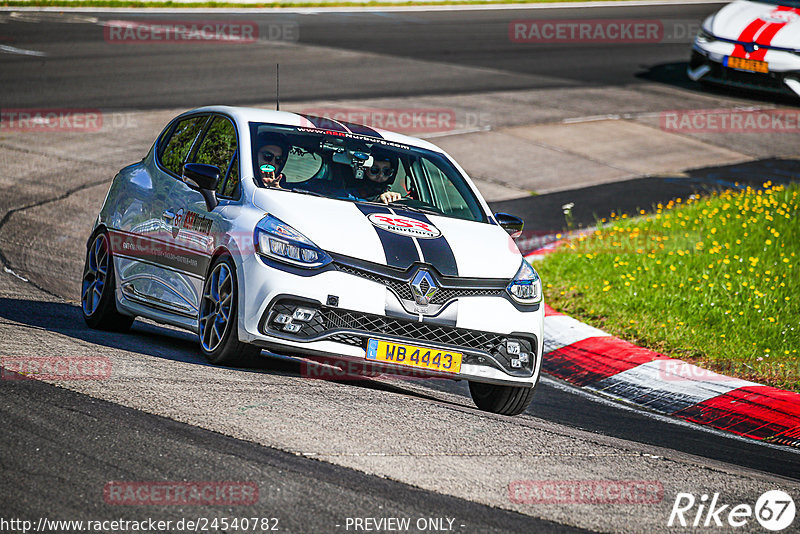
12, 273
563, 330
43, 15
461, 131
600, 397
668, 385
21, 51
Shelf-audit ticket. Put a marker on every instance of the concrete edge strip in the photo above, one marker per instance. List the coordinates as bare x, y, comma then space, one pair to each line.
595, 360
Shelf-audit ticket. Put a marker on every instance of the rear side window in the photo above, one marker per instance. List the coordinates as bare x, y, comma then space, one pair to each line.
219, 149
174, 151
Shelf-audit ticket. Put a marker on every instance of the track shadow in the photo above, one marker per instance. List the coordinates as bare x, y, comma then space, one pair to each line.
544, 213
143, 337
170, 344
674, 74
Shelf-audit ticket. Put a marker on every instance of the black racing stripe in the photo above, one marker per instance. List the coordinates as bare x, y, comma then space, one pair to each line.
361, 129
400, 250
325, 123
437, 251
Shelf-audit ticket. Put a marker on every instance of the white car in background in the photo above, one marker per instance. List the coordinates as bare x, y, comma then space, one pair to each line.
754, 45
430, 283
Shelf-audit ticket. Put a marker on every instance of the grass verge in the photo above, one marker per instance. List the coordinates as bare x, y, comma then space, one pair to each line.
713, 281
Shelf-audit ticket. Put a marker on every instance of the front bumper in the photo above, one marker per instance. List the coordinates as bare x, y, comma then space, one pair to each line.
350, 310
707, 65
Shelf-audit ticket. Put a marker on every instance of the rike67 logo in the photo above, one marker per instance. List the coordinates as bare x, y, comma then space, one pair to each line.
774, 510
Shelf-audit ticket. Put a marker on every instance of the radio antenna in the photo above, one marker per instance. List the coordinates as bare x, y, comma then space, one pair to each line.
277, 87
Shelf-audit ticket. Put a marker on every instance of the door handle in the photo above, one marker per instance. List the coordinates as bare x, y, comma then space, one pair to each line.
168, 215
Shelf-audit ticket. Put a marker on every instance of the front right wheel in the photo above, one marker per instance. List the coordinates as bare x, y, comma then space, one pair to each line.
218, 324
505, 400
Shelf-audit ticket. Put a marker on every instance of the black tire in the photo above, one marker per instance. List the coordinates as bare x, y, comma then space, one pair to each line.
219, 338
98, 305
505, 400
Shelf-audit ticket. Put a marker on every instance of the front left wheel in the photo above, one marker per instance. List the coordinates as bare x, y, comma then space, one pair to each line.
97, 288
218, 323
505, 400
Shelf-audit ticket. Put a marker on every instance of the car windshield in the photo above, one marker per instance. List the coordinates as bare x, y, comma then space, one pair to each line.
787, 3
360, 168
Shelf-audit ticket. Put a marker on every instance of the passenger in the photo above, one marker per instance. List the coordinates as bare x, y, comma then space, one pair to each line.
271, 158
378, 179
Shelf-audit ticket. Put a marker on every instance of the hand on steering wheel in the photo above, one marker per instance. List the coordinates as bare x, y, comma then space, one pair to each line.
389, 196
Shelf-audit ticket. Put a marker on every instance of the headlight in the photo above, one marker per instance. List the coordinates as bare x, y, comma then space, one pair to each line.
705, 36
277, 240
526, 287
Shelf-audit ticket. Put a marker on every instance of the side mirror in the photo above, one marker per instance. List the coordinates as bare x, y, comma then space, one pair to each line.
200, 176
511, 224
204, 179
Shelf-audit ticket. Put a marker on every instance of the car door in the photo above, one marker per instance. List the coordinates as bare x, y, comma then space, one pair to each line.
153, 276
196, 230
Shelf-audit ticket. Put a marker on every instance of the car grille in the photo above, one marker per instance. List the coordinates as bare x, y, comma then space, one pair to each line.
402, 289
355, 328
377, 324
330, 320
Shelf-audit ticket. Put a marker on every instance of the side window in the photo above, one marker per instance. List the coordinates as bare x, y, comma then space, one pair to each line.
174, 152
448, 199
402, 182
219, 148
228, 187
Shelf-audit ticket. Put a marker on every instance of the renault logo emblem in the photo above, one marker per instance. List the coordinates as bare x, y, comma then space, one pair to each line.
423, 287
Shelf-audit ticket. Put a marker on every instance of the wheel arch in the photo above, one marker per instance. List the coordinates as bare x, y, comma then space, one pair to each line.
101, 227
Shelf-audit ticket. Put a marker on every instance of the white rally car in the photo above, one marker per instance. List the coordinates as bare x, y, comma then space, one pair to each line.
752, 45
329, 240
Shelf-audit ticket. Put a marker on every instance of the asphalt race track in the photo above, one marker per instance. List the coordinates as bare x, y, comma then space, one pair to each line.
324, 452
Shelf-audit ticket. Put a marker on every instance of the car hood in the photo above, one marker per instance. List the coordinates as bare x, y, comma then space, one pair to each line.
396, 237
765, 24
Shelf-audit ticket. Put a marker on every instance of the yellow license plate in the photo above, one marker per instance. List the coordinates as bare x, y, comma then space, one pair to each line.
752, 65
413, 356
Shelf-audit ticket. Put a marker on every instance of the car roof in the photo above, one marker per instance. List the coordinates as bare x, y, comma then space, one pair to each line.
243, 115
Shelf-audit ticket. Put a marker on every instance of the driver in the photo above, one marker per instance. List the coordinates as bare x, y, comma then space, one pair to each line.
271, 158
378, 179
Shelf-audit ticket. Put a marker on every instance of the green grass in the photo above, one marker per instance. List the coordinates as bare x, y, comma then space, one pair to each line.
301, 3
713, 281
